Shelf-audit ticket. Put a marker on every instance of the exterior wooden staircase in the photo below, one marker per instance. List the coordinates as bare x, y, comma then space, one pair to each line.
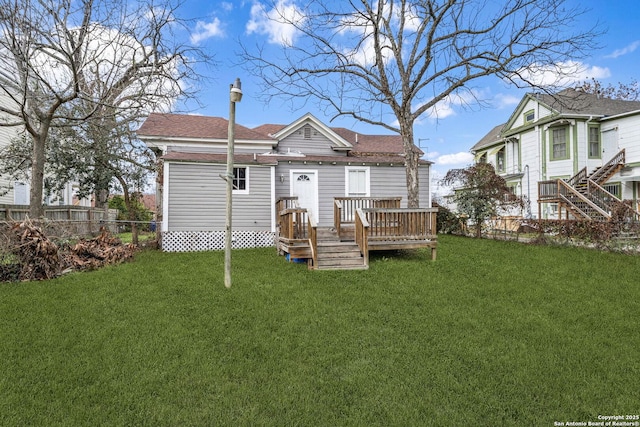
583, 195
334, 254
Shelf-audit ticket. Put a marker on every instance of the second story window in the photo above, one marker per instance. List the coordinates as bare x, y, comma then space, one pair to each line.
559, 142
594, 142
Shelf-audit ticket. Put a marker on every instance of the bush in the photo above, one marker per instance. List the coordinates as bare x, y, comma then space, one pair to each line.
142, 214
448, 222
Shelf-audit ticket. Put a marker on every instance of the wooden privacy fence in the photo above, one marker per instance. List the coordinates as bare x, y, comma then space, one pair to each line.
67, 220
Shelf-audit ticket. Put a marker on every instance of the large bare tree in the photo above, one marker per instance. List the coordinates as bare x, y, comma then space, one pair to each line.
390, 62
88, 64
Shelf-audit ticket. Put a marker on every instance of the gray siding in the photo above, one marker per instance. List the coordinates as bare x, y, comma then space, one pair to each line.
197, 199
385, 181
330, 185
316, 145
391, 181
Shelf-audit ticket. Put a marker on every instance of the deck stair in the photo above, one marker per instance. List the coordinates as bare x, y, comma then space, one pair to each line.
334, 254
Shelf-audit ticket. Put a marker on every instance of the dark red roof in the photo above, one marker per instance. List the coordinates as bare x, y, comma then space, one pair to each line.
262, 159
191, 126
204, 127
218, 158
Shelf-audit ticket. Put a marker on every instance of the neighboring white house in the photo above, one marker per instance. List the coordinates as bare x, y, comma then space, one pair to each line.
10, 192
568, 154
305, 158
17, 192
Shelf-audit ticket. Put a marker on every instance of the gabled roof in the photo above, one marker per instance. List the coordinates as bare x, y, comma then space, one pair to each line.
203, 128
309, 119
493, 137
361, 144
575, 102
193, 127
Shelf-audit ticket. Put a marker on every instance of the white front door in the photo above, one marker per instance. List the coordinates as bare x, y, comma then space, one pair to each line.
304, 185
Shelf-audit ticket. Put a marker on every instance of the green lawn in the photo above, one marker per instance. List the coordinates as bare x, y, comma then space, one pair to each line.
492, 333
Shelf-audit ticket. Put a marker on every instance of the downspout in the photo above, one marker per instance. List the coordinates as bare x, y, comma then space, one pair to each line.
528, 216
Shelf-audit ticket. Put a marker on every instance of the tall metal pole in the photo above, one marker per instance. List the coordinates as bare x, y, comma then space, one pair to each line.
235, 95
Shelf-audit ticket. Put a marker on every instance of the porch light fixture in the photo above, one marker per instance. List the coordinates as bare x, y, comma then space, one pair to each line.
235, 95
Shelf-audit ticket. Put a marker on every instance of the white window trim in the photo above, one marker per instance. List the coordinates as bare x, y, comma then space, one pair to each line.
247, 179
367, 177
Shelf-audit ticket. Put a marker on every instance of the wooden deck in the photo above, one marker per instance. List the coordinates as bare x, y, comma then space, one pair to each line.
361, 225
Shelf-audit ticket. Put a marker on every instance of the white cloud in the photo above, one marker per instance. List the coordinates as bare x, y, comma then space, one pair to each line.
207, 30
505, 101
462, 159
625, 50
562, 74
226, 6
277, 23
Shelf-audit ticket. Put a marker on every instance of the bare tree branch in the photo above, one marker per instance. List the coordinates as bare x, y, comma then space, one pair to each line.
390, 62
93, 66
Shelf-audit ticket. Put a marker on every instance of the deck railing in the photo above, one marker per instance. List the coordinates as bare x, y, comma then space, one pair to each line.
582, 174
401, 224
610, 202
313, 240
394, 226
344, 208
286, 203
560, 191
294, 224
362, 232
609, 168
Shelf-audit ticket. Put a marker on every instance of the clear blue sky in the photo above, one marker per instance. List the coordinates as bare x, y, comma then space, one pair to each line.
218, 25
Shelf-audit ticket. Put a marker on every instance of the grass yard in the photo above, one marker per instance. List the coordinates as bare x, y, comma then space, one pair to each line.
492, 334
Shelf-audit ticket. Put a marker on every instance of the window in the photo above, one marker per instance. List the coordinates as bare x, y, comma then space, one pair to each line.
594, 142
559, 143
529, 116
307, 132
241, 180
20, 193
500, 161
614, 188
483, 158
357, 184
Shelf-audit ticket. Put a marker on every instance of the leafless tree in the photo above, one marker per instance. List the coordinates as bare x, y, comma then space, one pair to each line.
67, 63
391, 62
624, 91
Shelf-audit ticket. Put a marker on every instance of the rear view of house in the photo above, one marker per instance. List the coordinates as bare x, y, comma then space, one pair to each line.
306, 160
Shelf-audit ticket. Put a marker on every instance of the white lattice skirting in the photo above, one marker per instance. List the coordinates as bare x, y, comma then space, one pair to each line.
194, 241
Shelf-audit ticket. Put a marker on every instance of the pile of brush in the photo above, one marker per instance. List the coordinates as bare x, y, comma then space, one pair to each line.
89, 254
38, 258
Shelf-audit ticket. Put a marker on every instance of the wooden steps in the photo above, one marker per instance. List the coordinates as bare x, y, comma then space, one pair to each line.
336, 255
